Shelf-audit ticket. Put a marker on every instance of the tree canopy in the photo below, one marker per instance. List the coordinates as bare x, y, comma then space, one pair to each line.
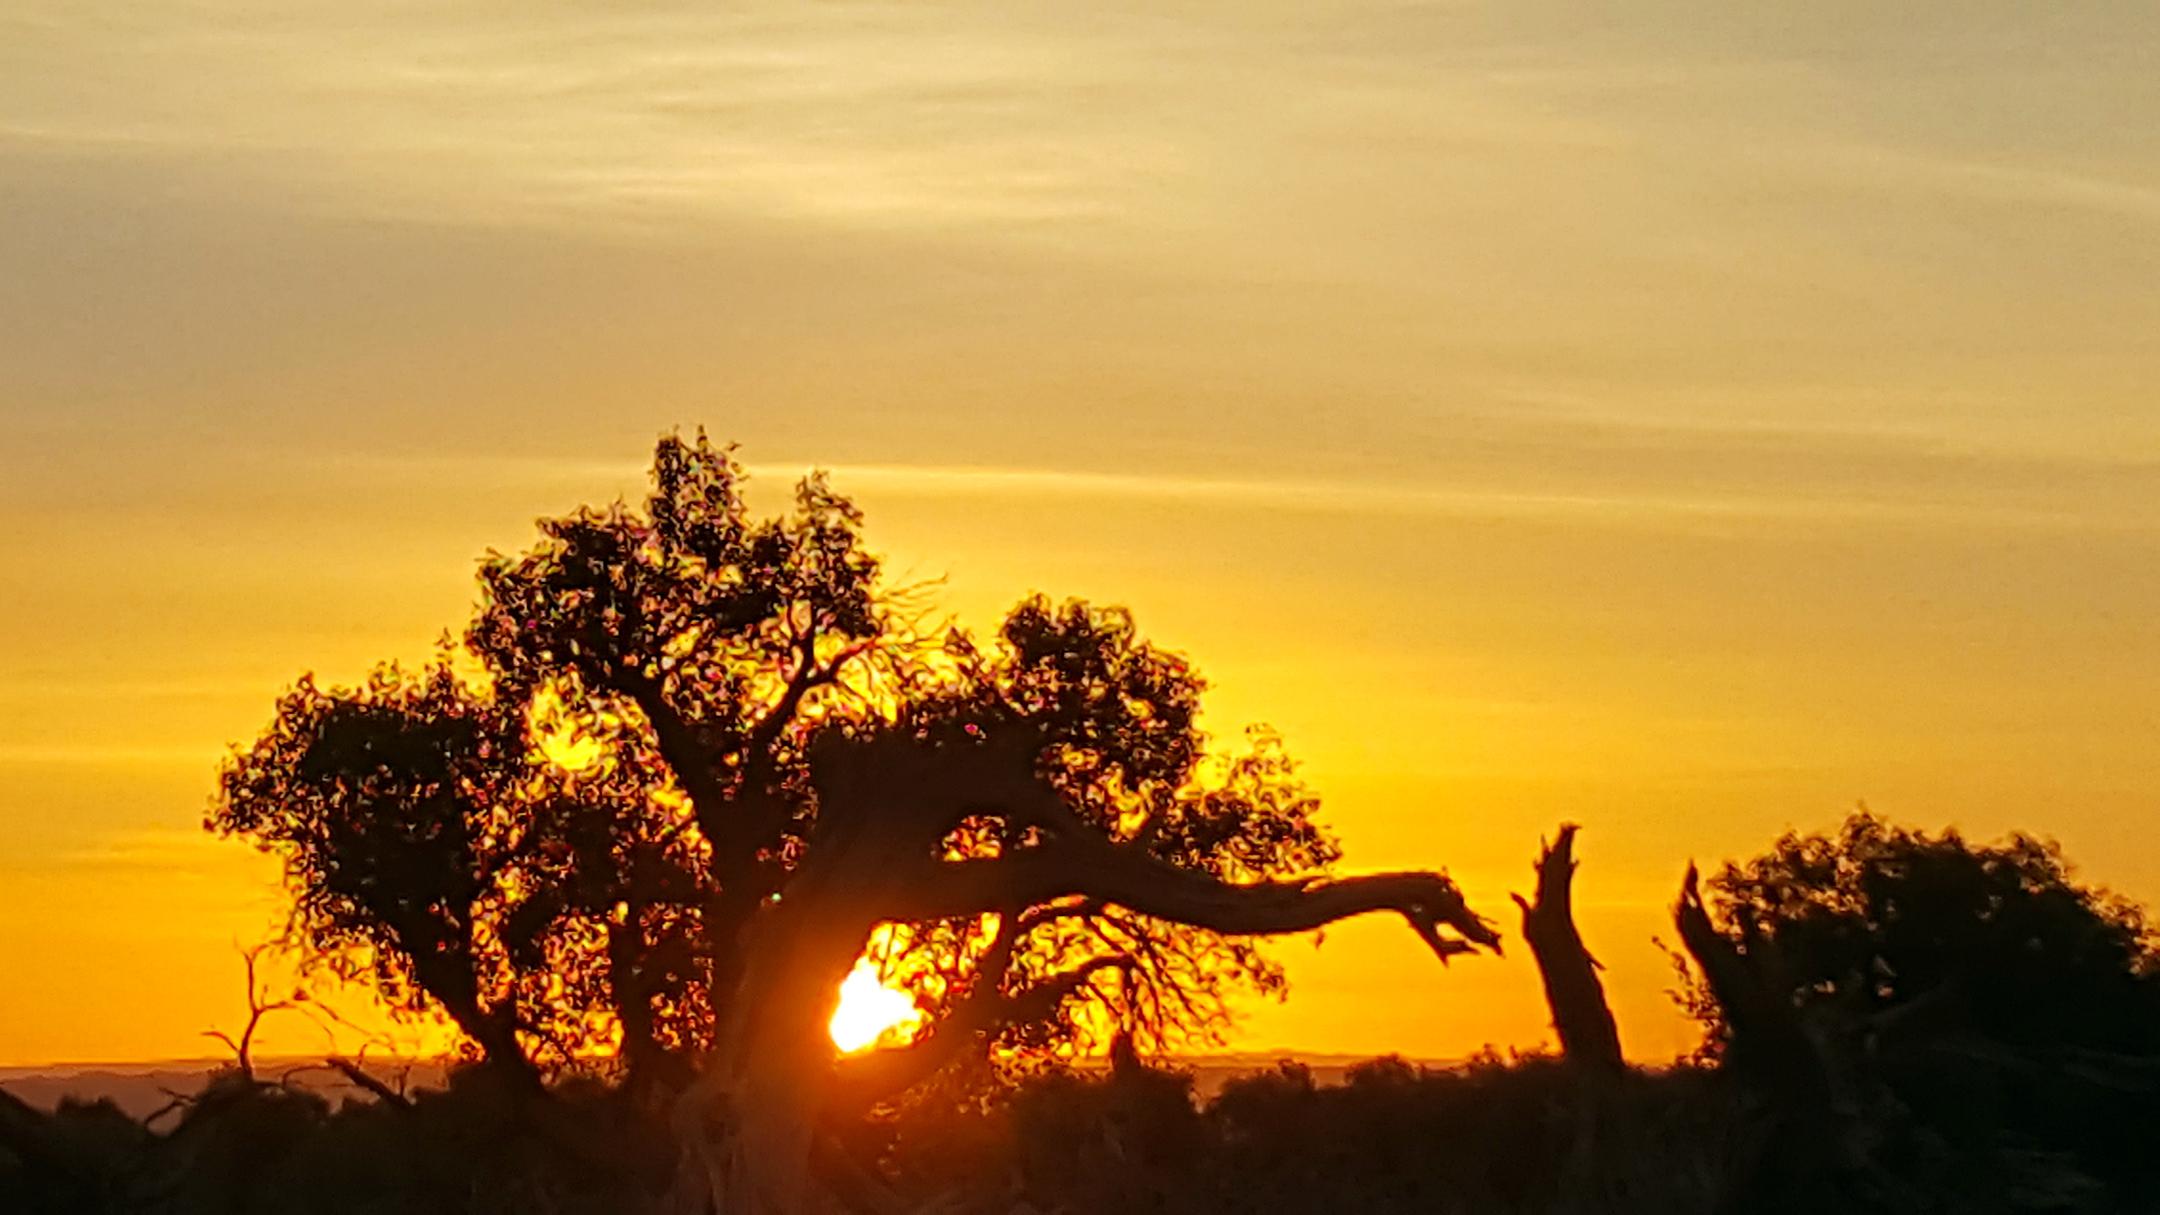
1999, 939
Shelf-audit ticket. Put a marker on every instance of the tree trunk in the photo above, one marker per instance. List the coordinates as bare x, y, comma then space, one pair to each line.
1766, 1041
649, 1067
506, 1056
748, 1124
492, 1030
1589, 1038
1818, 1136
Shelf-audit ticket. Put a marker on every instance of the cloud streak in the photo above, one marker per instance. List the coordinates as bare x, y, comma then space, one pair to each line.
1617, 508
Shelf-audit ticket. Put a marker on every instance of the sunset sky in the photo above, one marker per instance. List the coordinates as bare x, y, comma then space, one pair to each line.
1687, 419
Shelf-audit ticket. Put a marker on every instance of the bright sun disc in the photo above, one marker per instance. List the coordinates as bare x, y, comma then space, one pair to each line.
869, 1010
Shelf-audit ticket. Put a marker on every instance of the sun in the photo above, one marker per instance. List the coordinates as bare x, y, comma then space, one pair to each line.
871, 1012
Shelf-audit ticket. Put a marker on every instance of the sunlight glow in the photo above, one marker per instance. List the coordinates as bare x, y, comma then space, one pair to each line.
871, 1012
561, 739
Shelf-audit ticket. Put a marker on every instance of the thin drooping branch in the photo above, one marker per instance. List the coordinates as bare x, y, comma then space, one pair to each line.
1159, 966
1589, 1037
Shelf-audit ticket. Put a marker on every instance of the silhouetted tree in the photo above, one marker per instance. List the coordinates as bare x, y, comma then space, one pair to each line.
1894, 992
699, 764
1997, 938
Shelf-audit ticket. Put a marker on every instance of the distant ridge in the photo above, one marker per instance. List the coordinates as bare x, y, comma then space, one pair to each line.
142, 1088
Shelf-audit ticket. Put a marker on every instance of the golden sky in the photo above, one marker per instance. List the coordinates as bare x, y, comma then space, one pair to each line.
1688, 419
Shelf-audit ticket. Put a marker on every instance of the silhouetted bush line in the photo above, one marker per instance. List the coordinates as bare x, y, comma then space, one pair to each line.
1524, 1135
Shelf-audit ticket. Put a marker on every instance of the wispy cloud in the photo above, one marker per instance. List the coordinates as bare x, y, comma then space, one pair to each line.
2011, 180
888, 116
1595, 471
161, 850
1370, 499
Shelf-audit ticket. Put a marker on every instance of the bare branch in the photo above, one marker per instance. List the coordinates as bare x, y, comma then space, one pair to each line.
810, 675
686, 753
359, 1077
174, 1104
258, 1007
1070, 868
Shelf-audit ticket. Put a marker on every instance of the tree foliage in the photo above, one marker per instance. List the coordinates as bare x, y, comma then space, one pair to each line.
1999, 938
398, 809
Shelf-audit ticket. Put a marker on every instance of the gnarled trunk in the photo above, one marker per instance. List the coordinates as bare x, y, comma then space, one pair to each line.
1819, 1137
750, 1121
1767, 1043
1589, 1038
494, 1030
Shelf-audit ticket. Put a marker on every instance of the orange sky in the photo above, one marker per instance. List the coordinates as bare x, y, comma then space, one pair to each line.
1687, 422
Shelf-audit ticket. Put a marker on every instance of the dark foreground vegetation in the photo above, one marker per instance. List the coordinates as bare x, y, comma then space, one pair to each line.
1988, 1131
686, 769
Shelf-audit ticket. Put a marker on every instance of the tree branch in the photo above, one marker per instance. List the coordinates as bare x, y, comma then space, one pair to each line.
359, 1077
760, 816
810, 674
1069, 868
1076, 861
685, 752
